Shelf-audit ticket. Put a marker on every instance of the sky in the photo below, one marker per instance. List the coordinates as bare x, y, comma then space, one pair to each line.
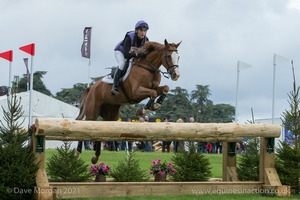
215, 35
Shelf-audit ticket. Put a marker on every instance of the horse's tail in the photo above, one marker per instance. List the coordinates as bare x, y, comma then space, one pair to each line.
82, 103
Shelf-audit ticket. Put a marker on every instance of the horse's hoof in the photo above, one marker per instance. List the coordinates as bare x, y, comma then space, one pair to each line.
139, 112
94, 159
156, 106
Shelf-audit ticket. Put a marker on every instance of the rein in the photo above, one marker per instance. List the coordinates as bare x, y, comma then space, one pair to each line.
156, 69
166, 60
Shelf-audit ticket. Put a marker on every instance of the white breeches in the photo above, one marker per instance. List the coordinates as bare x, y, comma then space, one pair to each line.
120, 59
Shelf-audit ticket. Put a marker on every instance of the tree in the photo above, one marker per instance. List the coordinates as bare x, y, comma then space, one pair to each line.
17, 161
71, 95
288, 154
64, 167
222, 113
175, 106
190, 165
129, 110
248, 164
128, 170
38, 84
202, 106
3, 90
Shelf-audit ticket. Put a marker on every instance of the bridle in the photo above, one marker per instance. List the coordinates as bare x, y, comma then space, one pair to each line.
170, 68
154, 69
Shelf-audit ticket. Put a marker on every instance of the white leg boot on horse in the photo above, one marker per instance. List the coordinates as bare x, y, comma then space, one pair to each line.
159, 101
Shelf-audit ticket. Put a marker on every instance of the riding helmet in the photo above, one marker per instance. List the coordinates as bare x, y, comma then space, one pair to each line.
141, 24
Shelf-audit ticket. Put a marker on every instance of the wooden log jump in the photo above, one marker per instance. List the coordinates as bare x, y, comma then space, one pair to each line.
65, 129
228, 133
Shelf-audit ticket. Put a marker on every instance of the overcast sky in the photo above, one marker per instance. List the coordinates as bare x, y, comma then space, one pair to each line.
215, 35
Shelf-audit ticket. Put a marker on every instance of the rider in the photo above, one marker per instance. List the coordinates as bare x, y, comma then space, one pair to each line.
123, 50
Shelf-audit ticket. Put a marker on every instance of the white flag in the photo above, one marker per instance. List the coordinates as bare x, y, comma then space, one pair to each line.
279, 59
242, 65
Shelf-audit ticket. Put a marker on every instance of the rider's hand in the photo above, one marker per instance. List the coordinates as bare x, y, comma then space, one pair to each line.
141, 55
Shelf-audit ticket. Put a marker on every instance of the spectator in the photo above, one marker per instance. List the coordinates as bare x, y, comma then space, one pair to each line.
87, 145
208, 147
219, 147
166, 144
178, 144
123, 143
148, 144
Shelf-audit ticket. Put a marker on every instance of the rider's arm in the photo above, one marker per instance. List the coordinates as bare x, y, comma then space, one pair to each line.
127, 47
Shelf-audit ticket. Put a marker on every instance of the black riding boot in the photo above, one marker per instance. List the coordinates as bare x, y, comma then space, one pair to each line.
114, 89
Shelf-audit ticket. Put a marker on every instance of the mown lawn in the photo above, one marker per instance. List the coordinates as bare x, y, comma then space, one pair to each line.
112, 157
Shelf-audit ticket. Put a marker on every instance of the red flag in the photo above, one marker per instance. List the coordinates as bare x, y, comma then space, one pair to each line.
28, 49
8, 55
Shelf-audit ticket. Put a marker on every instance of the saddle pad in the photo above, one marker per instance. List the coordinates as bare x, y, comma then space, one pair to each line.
108, 79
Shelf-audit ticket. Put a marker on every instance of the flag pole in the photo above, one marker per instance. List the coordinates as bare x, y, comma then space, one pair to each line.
9, 79
240, 66
237, 88
279, 60
90, 52
273, 94
30, 92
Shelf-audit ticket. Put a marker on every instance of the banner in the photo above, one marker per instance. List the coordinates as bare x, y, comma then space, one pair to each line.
27, 70
86, 45
30, 49
8, 55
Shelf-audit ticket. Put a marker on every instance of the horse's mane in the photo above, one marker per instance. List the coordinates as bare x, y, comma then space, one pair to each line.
150, 45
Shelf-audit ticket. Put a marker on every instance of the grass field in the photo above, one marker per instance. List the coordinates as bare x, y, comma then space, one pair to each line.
111, 158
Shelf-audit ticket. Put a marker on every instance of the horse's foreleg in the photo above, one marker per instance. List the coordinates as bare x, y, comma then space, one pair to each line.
141, 93
149, 105
97, 152
162, 92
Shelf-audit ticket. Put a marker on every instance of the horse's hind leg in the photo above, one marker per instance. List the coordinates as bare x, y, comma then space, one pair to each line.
78, 149
95, 158
108, 113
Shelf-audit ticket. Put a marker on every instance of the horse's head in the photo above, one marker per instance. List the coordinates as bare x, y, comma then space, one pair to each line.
170, 59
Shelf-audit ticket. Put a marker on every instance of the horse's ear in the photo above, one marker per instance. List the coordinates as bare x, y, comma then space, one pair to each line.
177, 45
166, 42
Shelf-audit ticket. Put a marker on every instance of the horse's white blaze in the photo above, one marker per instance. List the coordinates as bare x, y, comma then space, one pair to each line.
175, 60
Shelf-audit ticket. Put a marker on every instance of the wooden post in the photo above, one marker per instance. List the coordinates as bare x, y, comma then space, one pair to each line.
43, 190
267, 171
229, 161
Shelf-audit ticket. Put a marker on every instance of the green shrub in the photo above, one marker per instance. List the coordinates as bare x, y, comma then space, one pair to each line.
65, 167
288, 166
129, 170
248, 164
190, 165
17, 161
288, 155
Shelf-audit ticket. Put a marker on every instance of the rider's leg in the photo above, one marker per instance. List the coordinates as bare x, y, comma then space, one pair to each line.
117, 76
121, 62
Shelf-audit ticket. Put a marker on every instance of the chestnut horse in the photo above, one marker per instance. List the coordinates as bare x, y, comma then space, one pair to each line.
142, 82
